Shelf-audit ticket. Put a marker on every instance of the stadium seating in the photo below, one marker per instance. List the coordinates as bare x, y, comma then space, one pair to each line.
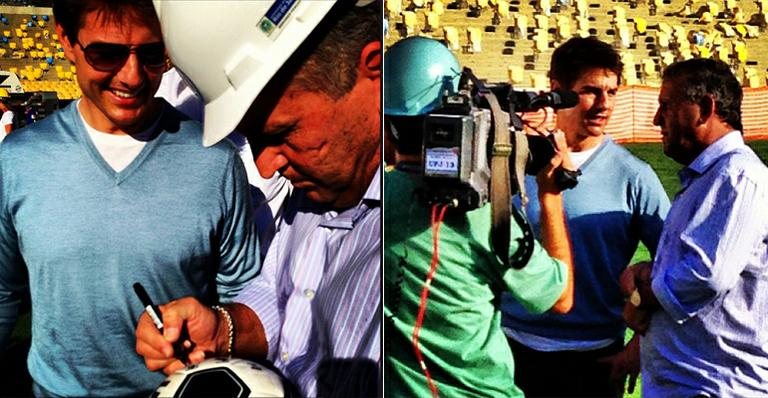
661, 31
649, 35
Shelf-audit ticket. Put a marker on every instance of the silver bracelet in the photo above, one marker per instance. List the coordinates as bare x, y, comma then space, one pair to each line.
230, 326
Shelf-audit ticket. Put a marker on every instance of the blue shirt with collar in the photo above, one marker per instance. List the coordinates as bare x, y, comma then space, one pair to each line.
710, 276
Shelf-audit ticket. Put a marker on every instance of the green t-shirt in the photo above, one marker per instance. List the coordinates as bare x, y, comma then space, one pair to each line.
461, 337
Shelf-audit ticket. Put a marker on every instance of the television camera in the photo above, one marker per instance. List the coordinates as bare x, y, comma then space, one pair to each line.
459, 138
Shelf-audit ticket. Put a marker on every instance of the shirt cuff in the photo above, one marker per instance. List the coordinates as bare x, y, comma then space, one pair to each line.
667, 299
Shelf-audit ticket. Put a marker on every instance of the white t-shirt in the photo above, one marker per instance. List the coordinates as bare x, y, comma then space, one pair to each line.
5, 120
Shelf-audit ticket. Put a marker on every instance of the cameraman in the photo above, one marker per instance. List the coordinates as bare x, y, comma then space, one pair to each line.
618, 202
453, 320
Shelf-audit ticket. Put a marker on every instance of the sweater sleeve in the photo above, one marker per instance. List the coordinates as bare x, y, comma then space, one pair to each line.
652, 207
239, 246
13, 279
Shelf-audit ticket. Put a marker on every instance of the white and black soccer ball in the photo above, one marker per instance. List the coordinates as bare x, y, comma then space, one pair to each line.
224, 377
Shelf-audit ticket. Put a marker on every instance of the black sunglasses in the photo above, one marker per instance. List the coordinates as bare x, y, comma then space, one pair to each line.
109, 57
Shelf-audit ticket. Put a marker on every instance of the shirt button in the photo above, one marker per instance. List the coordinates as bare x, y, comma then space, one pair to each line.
309, 294
284, 356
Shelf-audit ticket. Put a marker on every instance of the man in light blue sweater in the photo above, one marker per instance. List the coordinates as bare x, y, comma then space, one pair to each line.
112, 190
618, 203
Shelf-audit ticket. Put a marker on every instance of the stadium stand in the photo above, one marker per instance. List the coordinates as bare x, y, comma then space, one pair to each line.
518, 37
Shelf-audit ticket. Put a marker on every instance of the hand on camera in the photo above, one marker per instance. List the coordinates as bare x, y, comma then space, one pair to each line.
547, 178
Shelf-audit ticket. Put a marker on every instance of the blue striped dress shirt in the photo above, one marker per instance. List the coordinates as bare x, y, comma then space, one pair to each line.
318, 296
711, 277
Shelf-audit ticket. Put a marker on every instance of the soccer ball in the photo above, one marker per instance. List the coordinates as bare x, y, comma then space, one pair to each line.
223, 377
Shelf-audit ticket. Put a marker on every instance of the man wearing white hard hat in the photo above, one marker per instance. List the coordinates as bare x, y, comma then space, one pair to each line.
302, 81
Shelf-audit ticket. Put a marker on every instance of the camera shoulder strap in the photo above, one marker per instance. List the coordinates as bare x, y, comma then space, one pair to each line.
500, 192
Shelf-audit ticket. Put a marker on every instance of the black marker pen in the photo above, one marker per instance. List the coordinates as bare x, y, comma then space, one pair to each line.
157, 318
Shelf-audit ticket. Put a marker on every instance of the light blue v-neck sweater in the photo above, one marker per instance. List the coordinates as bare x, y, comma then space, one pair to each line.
176, 219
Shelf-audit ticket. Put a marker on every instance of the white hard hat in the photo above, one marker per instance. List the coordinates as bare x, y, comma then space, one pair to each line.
231, 49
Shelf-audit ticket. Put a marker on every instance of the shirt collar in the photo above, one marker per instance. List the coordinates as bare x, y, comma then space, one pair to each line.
710, 155
348, 218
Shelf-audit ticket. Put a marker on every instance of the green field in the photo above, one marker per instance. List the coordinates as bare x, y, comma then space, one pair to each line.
667, 170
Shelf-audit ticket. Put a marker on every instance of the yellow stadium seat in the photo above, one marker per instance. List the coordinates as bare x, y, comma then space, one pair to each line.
409, 20
522, 26
7, 33
619, 14
563, 28
432, 20
503, 8
451, 35
582, 8
542, 22
582, 27
714, 8
539, 81
515, 74
685, 52
475, 36
540, 41
727, 30
641, 25
545, 7
438, 7
624, 37
723, 54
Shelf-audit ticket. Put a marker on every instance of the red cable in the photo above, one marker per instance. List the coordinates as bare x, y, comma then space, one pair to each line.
436, 221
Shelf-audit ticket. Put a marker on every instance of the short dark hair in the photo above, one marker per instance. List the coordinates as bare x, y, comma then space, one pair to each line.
701, 77
334, 49
70, 14
578, 55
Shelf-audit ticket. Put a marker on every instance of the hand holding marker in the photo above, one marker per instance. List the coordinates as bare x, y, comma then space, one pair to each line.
154, 313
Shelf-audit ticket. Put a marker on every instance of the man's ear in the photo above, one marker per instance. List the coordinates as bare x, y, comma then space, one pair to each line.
65, 44
554, 84
370, 61
706, 107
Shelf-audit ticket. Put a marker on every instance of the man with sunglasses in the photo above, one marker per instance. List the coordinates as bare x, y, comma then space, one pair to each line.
112, 190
